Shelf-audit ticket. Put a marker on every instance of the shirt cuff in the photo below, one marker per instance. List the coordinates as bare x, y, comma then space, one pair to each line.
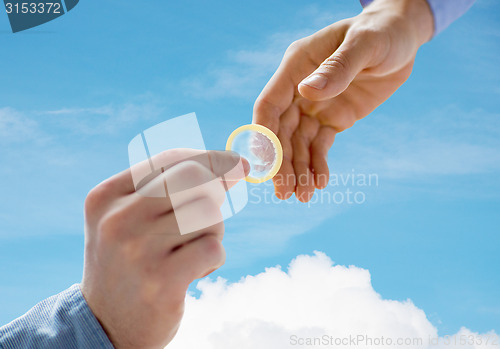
448, 11
445, 12
62, 321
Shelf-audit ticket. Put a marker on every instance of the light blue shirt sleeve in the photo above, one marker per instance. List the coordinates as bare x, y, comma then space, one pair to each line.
445, 11
63, 321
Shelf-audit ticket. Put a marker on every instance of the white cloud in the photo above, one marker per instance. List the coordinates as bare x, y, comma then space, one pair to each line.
313, 298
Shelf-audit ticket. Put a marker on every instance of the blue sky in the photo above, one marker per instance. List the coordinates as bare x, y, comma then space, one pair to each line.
75, 91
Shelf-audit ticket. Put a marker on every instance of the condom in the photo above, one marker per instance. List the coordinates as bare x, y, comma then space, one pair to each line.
260, 147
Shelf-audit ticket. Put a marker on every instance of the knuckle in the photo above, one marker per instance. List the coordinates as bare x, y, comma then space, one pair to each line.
217, 192
286, 131
167, 157
338, 61
223, 162
176, 308
197, 181
210, 213
203, 182
133, 252
175, 152
320, 144
345, 121
112, 225
213, 250
374, 39
96, 198
363, 33
195, 173
267, 111
217, 196
295, 47
213, 210
308, 128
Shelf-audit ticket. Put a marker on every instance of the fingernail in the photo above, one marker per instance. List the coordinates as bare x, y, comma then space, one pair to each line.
317, 81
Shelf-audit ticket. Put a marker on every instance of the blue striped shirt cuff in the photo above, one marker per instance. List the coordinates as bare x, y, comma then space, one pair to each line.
445, 12
63, 321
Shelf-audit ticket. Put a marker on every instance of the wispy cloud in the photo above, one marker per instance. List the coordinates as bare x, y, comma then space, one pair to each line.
244, 72
44, 153
445, 142
107, 119
16, 127
22, 126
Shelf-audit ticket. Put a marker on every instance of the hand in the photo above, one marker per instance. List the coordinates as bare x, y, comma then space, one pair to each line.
331, 79
137, 264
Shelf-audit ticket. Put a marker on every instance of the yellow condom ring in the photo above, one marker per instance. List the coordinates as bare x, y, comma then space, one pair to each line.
278, 150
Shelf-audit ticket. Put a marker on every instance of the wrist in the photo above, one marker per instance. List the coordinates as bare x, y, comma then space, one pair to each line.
416, 14
421, 18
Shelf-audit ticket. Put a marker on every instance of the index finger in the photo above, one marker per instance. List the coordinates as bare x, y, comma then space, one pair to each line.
274, 99
221, 163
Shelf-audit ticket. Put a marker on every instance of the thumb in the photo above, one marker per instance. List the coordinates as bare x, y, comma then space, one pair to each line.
230, 166
335, 74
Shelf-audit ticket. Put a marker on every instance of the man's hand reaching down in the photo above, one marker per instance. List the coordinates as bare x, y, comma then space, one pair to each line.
333, 78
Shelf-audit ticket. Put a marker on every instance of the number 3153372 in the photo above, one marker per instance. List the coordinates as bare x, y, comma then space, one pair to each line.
33, 7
